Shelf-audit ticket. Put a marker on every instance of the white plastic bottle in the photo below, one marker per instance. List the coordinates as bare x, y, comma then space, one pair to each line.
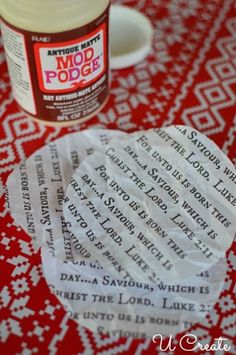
57, 55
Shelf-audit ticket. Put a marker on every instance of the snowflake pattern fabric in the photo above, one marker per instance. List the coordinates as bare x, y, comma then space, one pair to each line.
188, 78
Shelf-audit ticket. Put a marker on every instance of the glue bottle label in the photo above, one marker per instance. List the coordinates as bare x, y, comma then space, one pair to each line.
59, 77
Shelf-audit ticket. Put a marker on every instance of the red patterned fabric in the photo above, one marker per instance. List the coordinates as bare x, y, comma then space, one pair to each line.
189, 78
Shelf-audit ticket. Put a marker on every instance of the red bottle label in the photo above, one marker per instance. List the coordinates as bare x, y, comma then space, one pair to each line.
59, 77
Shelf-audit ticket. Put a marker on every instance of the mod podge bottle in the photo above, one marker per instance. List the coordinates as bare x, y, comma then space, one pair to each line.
57, 55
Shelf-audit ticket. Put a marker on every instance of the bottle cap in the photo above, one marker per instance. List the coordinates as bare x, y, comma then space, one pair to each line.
131, 36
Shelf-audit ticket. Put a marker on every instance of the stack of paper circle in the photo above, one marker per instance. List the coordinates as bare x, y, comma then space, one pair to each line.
133, 227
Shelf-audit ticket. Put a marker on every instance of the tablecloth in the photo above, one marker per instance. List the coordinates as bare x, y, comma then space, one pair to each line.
189, 78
